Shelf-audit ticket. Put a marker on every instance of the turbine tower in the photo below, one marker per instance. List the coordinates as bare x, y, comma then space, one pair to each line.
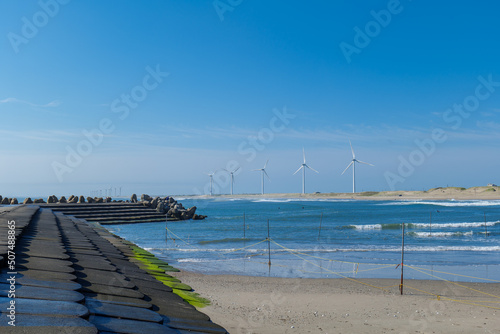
232, 177
353, 163
263, 170
303, 167
211, 181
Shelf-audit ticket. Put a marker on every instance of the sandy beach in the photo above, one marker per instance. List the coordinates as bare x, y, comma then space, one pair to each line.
245, 304
447, 193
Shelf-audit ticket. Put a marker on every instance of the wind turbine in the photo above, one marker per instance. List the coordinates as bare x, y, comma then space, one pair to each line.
232, 177
263, 170
211, 181
353, 163
303, 167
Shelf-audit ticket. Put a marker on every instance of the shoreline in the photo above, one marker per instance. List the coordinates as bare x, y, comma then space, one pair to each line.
250, 304
449, 193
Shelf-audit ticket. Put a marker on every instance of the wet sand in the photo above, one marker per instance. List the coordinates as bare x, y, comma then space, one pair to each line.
244, 304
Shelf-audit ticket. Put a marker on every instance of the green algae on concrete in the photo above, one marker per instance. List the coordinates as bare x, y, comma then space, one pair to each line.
157, 268
192, 298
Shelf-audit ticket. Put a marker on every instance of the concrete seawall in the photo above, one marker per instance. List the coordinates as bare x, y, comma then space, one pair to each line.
61, 274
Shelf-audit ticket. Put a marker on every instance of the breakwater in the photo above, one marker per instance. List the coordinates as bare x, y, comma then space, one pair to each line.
62, 274
110, 211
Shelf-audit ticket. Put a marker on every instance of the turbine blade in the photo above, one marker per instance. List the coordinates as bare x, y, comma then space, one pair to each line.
314, 170
366, 163
304, 154
266, 174
298, 170
234, 171
255, 170
266, 164
347, 167
353, 155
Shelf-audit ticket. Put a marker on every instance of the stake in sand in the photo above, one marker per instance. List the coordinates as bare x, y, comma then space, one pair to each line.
402, 258
269, 246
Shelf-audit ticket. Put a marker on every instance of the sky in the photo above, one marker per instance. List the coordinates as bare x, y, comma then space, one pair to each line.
151, 96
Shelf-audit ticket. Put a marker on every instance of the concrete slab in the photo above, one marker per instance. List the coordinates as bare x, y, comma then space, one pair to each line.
42, 252
93, 262
47, 275
53, 246
114, 255
31, 292
121, 311
155, 284
193, 325
135, 302
128, 326
84, 245
96, 265
34, 324
112, 290
41, 263
45, 235
170, 304
76, 251
105, 278
136, 274
44, 307
24, 280
110, 251
123, 262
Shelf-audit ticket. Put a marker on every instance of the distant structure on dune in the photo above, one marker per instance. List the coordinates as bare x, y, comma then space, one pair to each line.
303, 167
211, 175
263, 170
232, 177
353, 164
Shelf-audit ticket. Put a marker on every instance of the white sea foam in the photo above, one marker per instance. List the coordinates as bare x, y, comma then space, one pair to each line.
417, 249
458, 225
192, 260
454, 248
367, 227
272, 200
425, 225
226, 253
441, 234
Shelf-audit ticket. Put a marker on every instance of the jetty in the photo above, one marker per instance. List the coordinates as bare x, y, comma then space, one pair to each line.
63, 274
110, 213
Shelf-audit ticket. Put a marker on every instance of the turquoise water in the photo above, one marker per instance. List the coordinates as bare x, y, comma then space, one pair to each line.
359, 239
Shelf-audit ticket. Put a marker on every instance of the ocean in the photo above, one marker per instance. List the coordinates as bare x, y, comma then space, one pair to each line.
451, 240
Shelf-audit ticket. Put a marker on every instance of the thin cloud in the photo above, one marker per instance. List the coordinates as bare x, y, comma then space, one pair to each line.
48, 135
51, 104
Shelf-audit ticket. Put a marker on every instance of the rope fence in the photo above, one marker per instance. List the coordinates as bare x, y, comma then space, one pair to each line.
312, 260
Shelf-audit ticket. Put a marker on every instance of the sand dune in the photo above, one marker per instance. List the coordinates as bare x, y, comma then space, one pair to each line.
449, 193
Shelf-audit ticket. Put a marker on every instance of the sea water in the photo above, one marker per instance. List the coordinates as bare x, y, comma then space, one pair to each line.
452, 240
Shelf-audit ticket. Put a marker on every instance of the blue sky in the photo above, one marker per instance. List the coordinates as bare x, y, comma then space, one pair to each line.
170, 91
